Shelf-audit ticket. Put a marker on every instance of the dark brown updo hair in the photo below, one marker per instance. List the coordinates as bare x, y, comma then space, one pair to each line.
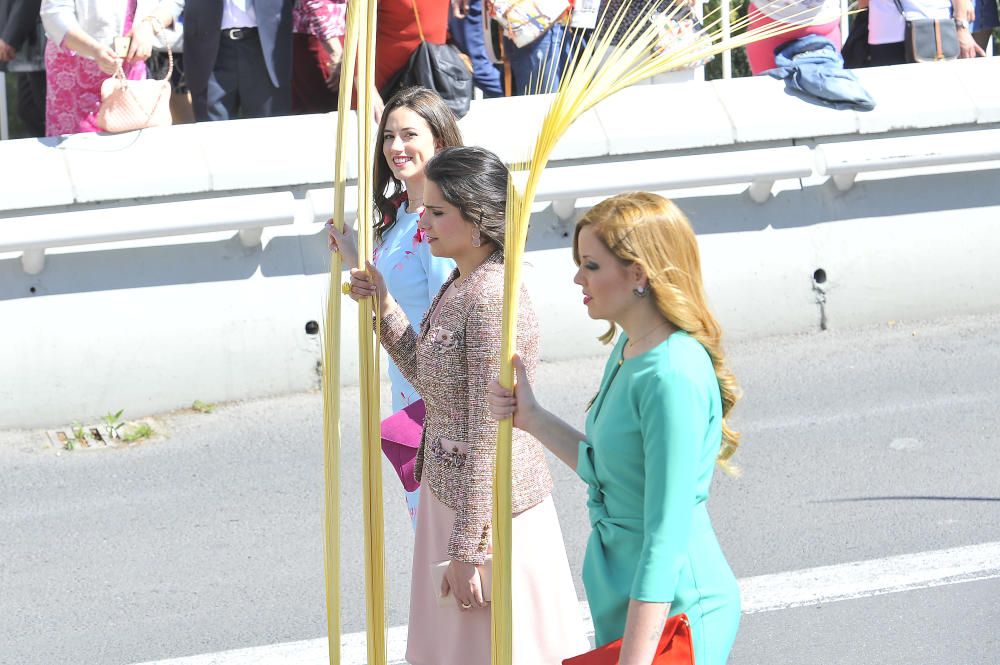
474, 180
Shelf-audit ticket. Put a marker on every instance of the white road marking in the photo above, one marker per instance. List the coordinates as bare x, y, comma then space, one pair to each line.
764, 593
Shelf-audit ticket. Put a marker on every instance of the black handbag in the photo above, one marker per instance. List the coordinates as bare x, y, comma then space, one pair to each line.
437, 67
855, 50
929, 39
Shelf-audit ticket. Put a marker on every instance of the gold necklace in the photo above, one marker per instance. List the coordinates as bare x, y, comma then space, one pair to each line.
631, 343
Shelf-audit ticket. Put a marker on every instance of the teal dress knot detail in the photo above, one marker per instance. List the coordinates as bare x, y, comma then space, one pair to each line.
653, 434
596, 509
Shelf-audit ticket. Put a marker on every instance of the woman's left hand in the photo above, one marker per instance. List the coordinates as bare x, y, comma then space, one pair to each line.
141, 46
342, 242
465, 584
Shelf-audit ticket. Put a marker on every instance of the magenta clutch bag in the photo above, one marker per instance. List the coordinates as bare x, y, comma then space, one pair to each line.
401, 435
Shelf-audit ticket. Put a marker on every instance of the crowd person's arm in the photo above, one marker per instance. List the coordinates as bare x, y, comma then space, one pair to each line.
555, 434
146, 31
327, 23
20, 23
335, 58
965, 11
63, 28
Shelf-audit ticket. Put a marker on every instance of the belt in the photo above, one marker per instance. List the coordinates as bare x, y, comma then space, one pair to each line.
237, 34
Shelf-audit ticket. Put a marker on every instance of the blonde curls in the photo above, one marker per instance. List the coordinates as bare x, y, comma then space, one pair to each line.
650, 231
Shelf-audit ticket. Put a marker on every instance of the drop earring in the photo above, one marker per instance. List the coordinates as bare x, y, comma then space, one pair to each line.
477, 238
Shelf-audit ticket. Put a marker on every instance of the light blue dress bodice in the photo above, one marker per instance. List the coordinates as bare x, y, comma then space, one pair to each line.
413, 276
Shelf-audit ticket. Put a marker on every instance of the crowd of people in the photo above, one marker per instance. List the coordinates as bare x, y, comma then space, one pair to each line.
236, 58
257, 58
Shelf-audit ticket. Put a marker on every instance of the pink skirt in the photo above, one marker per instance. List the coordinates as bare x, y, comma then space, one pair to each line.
547, 623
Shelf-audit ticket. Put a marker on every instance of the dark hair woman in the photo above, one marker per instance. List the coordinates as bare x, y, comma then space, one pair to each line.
415, 125
450, 359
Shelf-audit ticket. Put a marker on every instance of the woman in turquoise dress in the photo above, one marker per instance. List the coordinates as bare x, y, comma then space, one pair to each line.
654, 432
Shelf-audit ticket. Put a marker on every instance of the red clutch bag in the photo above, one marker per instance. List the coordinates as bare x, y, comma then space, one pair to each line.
401, 434
675, 647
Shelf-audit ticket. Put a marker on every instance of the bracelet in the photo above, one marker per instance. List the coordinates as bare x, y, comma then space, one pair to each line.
155, 22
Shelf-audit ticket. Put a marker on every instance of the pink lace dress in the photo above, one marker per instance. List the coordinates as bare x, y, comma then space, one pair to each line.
74, 86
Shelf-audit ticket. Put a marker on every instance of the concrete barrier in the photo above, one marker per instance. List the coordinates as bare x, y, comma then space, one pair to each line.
154, 324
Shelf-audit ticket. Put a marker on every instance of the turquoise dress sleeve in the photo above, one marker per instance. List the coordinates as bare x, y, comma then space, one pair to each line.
672, 423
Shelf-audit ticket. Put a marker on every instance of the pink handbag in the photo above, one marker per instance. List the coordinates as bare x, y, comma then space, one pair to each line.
401, 435
130, 105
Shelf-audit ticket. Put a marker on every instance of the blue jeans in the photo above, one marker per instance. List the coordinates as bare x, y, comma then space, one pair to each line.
470, 38
555, 48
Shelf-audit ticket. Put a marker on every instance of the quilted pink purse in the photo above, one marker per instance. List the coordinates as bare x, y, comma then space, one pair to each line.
129, 105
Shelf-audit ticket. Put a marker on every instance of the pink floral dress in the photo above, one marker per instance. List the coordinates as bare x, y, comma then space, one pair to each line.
74, 87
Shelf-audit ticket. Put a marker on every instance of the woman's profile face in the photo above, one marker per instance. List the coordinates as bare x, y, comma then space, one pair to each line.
445, 230
607, 284
407, 143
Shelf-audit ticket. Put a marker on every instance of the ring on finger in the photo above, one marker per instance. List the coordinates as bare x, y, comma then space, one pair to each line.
466, 606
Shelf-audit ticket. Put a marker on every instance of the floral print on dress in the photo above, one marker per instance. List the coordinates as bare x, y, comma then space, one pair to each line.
323, 19
73, 94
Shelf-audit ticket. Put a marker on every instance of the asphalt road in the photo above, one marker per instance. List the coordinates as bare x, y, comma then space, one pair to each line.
858, 445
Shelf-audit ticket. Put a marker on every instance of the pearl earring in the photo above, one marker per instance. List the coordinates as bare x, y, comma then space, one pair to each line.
641, 291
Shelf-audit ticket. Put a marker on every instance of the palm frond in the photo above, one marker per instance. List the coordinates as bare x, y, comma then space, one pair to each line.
606, 64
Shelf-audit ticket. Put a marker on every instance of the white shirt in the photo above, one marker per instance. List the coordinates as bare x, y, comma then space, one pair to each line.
887, 26
238, 14
103, 21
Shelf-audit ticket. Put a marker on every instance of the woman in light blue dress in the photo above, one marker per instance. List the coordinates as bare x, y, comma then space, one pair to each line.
416, 124
654, 433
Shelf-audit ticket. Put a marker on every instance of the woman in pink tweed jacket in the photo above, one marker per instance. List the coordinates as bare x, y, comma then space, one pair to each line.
450, 361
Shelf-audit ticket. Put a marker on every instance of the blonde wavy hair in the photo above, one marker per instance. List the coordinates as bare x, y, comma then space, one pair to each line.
651, 231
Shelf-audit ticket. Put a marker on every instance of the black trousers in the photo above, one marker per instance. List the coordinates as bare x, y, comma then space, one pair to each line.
31, 101
881, 55
240, 85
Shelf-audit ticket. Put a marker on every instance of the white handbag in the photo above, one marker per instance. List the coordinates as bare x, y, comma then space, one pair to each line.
130, 105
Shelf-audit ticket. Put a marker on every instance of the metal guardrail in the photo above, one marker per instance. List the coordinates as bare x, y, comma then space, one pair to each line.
562, 185
844, 161
248, 214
